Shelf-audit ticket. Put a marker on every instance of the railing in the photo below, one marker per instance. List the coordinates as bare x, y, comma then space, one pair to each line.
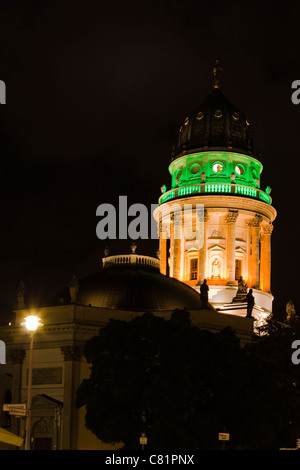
216, 188
139, 260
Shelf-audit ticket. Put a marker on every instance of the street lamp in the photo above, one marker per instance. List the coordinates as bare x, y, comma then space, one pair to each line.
32, 322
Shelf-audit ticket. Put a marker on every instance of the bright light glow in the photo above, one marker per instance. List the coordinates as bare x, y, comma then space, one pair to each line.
32, 322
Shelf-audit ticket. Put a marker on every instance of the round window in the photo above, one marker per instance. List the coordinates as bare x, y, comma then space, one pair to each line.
218, 167
200, 116
235, 116
186, 121
195, 169
239, 170
218, 114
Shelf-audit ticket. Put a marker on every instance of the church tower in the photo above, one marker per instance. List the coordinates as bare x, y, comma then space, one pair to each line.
215, 222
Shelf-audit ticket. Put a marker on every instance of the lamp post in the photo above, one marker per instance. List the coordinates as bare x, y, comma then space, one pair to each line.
31, 324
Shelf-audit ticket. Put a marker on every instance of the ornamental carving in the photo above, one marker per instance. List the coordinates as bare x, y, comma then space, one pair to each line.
216, 233
203, 216
231, 216
268, 229
256, 221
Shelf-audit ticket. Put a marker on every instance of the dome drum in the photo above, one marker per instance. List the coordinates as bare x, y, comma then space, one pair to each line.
215, 167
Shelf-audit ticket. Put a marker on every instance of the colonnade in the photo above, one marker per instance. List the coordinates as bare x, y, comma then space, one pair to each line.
257, 260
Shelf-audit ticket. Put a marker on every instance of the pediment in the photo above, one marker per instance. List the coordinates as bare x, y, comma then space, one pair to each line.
216, 247
43, 401
193, 248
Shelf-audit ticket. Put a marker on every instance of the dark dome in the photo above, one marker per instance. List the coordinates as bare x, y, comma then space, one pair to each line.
131, 287
215, 125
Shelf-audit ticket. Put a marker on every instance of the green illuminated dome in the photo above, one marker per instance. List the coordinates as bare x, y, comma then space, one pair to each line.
215, 125
215, 153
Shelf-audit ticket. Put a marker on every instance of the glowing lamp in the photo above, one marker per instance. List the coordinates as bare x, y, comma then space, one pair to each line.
32, 322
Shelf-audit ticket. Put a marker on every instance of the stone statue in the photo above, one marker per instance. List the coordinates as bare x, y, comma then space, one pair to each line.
133, 247
242, 291
204, 294
21, 295
73, 289
242, 286
216, 269
216, 71
290, 310
250, 303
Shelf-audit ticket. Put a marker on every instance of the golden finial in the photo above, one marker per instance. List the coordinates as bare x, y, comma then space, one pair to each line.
216, 71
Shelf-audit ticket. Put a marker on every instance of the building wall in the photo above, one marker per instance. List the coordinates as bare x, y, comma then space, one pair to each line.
225, 237
59, 367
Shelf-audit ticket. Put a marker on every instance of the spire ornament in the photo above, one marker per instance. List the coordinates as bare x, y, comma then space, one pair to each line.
217, 72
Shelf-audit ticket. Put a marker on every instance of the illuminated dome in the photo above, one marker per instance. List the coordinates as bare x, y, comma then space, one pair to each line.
216, 207
131, 282
215, 153
215, 125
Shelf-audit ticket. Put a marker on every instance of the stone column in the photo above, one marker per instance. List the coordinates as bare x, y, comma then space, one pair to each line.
202, 251
249, 252
72, 356
163, 247
262, 259
266, 258
177, 245
231, 218
255, 262
171, 253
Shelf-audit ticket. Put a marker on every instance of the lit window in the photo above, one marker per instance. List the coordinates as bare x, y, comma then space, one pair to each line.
186, 121
218, 167
239, 170
200, 116
238, 269
193, 269
235, 116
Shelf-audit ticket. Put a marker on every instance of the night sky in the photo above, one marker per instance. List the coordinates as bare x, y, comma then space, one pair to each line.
96, 93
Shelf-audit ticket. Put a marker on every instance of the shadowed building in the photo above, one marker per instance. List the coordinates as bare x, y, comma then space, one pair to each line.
127, 286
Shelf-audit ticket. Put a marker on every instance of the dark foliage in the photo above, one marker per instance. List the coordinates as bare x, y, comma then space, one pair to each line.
182, 386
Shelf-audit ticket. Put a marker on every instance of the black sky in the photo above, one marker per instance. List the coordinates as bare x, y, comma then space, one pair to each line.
96, 93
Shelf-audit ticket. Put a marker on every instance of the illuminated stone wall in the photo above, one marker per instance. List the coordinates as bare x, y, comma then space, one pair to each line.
233, 237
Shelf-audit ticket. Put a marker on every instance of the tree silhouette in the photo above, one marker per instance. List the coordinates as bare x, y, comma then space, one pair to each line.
182, 386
